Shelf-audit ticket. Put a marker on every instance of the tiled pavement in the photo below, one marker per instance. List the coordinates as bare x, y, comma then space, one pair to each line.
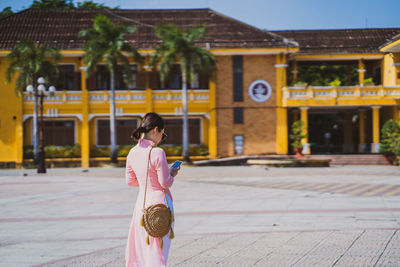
225, 216
355, 189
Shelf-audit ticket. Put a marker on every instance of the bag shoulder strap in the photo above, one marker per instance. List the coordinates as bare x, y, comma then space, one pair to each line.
147, 177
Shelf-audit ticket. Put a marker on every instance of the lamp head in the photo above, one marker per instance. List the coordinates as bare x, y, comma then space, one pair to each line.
41, 88
52, 90
30, 88
41, 80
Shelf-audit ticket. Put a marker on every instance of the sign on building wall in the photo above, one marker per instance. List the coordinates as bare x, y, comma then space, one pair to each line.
260, 91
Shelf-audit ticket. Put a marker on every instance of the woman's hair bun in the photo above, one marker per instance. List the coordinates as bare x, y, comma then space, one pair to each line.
149, 122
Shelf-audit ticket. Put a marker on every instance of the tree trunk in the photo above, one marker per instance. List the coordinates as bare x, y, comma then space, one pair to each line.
113, 141
185, 127
41, 156
35, 125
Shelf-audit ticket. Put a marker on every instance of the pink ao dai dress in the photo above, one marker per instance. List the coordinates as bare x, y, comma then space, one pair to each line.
138, 253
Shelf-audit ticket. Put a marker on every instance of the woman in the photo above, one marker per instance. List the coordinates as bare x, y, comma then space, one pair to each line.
160, 177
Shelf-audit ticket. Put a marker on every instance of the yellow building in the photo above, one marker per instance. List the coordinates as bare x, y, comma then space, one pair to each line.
368, 96
246, 109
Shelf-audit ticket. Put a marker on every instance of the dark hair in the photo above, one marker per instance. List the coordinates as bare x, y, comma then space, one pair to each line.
150, 121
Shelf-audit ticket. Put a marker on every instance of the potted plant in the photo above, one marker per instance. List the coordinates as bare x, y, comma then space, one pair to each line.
297, 133
390, 141
336, 82
300, 84
369, 82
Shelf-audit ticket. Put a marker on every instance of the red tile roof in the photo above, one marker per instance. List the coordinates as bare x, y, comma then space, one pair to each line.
60, 28
392, 40
344, 41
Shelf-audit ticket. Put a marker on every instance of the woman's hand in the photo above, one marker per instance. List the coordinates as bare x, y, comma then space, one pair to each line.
174, 171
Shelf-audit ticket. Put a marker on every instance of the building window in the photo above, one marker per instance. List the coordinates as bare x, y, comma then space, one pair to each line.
120, 84
59, 133
237, 78
124, 130
238, 115
102, 78
238, 141
173, 128
68, 79
200, 79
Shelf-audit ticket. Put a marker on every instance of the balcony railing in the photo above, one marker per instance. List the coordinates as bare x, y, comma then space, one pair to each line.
135, 96
346, 95
72, 97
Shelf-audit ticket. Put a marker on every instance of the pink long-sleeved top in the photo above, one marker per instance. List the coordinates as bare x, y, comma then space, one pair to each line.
138, 253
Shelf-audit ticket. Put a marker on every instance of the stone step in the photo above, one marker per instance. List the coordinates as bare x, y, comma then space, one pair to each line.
355, 159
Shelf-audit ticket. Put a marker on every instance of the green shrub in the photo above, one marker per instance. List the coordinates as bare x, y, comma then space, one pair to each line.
198, 150
194, 150
368, 80
104, 151
69, 151
298, 83
390, 138
123, 151
335, 82
297, 133
324, 74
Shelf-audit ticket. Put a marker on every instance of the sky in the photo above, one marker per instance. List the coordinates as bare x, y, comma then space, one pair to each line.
276, 14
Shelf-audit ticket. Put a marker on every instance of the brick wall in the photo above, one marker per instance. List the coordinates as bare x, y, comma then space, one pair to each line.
259, 124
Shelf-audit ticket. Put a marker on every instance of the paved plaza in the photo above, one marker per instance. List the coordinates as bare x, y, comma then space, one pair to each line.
225, 216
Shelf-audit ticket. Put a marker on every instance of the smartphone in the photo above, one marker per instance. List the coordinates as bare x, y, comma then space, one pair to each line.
176, 164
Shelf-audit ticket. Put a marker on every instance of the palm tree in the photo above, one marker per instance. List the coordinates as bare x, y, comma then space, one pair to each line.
105, 42
32, 61
181, 46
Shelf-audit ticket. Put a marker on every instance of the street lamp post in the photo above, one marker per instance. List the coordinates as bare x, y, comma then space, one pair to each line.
40, 92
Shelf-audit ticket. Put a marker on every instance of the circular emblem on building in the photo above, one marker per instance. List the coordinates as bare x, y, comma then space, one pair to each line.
260, 91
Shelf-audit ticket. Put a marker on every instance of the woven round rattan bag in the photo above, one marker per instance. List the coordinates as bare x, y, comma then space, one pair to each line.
157, 220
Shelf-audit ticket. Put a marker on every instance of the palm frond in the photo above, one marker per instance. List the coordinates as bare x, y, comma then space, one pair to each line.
126, 69
182, 46
105, 41
166, 63
126, 47
21, 83
195, 34
30, 60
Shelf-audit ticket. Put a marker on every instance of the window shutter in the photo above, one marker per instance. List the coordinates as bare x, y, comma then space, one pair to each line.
91, 82
237, 78
238, 115
77, 80
154, 80
141, 80
204, 80
194, 131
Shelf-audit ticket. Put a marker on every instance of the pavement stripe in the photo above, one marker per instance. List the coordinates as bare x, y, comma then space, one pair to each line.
367, 190
332, 188
342, 186
307, 186
320, 186
379, 191
350, 188
298, 186
275, 185
323, 187
395, 192
393, 187
289, 185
